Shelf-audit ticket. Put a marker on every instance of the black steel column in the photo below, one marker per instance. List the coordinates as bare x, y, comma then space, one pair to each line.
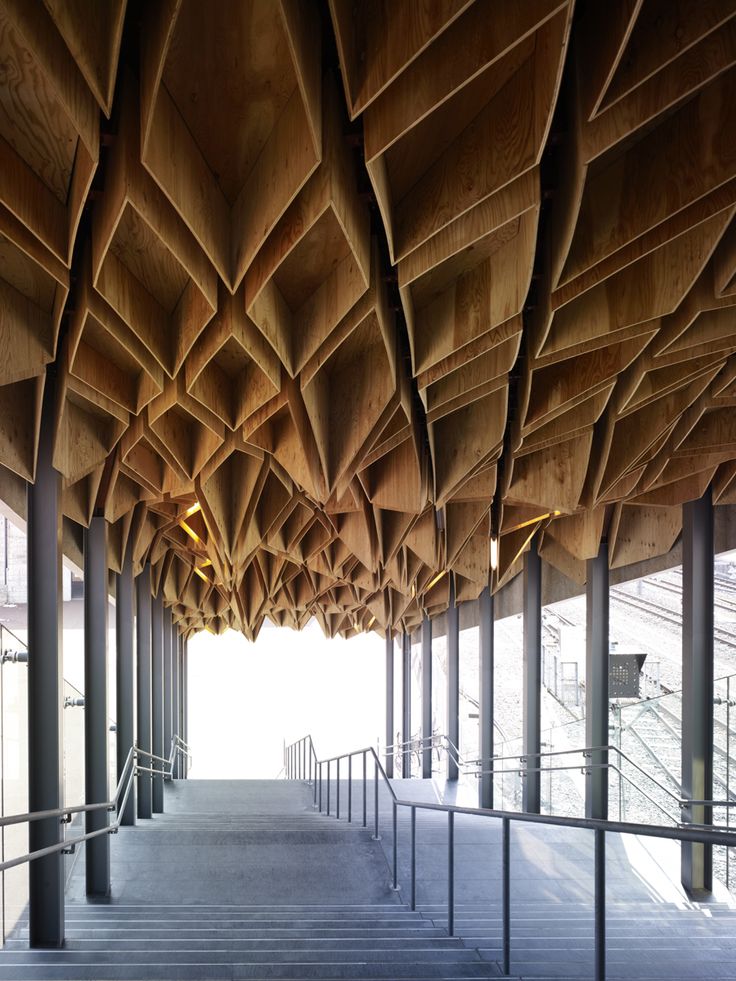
157, 699
427, 698
125, 675
185, 702
532, 657
97, 850
175, 657
143, 638
596, 683
168, 717
697, 685
485, 712
406, 703
390, 735
45, 678
453, 683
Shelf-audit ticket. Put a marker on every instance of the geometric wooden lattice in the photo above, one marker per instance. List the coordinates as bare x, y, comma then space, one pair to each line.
337, 292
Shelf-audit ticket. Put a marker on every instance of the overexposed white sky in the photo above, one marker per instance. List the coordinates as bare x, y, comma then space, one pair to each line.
245, 699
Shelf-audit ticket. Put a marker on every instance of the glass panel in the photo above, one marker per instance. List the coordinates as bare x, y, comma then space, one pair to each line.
74, 792
14, 746
439, 689
469, 695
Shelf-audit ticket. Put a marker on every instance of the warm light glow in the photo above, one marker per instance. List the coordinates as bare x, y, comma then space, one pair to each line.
207, 562
190, 531
371, 622
533, 521
437, 578
192, 510
201, 574
413, 590
494, 552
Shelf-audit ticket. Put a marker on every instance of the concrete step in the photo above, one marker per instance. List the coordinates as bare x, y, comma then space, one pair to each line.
223, 954
237, 971
385, 944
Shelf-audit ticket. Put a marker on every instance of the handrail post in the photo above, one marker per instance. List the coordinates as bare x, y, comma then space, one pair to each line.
451, 873
310, 759
506, 892
395, 847
365, 781
413, 857
337, 791
328, 788
376, 836
350, 789
320, 788
600, 904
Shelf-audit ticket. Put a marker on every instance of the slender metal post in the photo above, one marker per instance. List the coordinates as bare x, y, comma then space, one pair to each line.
697, 686
406, 703
350, 789
320, 788
96, 769
185, 702
390, 735
451, 873
125, 675
328, 788
395, 846
506, 892
168, 719
532, 665
365, 788
376, 836
175, 698
596, 684
157, 698
485, 712
453, 683
426, 698
143, 638
45, 680
337, 792
413, 858
600, 904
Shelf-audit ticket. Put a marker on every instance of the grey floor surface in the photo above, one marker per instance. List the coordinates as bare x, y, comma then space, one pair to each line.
246, 879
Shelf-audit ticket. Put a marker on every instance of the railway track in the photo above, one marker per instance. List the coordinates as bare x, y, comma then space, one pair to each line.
723, 636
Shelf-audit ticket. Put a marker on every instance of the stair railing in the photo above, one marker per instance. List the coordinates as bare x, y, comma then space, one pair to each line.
699, 834
131, 769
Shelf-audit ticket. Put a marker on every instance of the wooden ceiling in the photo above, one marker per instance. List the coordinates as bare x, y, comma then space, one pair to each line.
332, 290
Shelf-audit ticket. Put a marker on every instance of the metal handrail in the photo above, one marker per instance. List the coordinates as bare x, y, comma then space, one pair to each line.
698, 834
117, 803
693, 833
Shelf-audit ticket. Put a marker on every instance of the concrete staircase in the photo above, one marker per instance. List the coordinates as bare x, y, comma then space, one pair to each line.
243, 880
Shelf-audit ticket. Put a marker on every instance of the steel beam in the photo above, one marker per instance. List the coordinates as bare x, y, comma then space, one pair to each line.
485, 712
157, 699
697, 685
143, 639
168, 718
427, 698
97, 850
532, 668
406, 703
596, 683
453, 683
45, 679
390, 735
125, 675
